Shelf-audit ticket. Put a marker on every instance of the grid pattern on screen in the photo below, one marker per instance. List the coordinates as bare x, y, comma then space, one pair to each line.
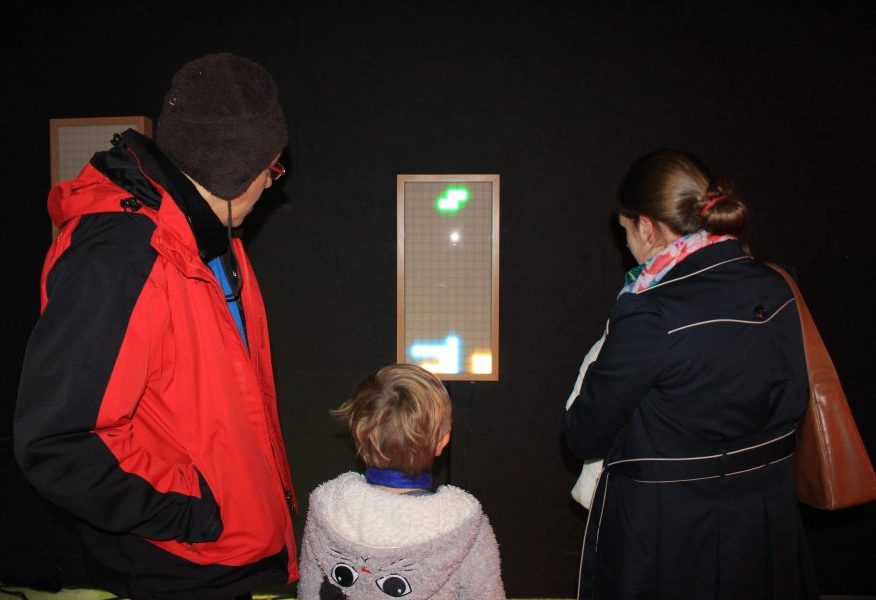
448, 267
77, 143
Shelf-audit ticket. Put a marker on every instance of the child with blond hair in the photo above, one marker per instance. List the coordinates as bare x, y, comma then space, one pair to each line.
387, 533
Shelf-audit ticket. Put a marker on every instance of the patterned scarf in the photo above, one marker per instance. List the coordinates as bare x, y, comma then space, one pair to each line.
650, 272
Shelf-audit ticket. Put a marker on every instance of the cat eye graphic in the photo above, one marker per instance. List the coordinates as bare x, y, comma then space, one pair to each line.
394, 585
344, 575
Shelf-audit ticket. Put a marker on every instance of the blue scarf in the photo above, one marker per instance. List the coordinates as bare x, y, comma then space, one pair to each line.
396, 479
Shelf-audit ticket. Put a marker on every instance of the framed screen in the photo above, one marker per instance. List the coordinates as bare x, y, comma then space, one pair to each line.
448, 275
72, 142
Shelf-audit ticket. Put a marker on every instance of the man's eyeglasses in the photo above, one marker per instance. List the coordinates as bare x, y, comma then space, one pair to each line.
276, 170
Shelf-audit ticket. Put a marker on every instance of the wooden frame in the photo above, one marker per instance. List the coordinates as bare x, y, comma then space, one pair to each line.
487, 187
63, 146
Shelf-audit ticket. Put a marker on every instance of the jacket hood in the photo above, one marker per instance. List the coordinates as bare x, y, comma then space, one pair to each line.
91, 192
374, 517
133, 174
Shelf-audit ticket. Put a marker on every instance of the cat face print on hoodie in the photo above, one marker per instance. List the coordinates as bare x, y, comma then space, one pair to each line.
364, 543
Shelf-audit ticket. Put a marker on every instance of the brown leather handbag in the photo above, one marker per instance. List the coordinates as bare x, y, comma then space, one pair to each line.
832, 468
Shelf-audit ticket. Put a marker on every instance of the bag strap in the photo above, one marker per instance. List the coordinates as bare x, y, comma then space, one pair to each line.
818, 361
832, 469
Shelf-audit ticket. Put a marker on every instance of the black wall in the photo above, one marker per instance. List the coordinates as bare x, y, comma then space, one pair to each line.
558, 98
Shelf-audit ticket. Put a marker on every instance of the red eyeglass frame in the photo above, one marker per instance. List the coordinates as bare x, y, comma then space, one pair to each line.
276, 170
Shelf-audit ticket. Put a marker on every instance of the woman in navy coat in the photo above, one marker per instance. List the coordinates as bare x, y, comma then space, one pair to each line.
693, 403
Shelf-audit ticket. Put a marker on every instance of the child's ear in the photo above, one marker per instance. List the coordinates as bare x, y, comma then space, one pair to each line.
442, 443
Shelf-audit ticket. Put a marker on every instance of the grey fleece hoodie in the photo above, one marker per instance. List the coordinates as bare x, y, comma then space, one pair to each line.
363, 543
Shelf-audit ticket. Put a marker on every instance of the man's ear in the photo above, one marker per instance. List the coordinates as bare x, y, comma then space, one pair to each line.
442, 443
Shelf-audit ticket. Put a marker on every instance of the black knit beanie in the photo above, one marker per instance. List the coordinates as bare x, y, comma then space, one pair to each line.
221, 123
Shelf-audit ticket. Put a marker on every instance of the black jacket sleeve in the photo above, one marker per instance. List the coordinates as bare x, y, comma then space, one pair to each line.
75, 347
627, 366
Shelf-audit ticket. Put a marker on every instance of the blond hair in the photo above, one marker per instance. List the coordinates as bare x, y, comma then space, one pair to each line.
397, 417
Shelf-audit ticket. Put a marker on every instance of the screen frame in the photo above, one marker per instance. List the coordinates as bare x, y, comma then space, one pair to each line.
139, 123
401, 316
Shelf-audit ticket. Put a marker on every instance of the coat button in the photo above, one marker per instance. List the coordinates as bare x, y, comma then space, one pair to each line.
760, 312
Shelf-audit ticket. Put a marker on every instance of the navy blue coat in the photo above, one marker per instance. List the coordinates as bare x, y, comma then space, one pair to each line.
707, 362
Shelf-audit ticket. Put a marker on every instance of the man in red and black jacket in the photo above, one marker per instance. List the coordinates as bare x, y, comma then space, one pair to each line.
147, 405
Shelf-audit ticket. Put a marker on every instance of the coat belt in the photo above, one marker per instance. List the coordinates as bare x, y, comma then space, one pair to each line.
693, 468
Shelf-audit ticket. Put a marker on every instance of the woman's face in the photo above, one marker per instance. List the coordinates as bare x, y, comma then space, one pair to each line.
637, 239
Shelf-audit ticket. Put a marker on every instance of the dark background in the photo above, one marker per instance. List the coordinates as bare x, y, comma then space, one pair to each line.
556, 97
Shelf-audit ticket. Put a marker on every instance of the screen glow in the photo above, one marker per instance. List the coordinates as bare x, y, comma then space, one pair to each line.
452, 200
482, 362
443, 356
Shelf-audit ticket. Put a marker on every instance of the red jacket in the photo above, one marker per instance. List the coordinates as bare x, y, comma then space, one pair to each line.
140, 408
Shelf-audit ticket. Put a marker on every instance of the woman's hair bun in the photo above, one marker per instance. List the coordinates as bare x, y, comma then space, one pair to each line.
721, 211
675, 188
